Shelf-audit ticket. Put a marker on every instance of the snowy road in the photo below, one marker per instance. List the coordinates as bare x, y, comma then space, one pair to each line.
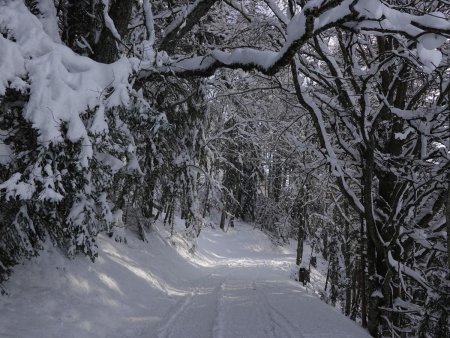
236, 286
230, 307
247, 294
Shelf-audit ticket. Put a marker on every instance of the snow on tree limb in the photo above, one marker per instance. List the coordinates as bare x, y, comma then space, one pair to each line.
61, 83
240, 8
47, 15
365, 16
109, 23
149, 21
299, 30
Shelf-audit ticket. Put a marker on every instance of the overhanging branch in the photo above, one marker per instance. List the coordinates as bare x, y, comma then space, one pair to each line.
349, 14
300, 30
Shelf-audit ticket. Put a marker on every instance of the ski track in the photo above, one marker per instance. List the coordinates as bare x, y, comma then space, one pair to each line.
166, 330
241, 312
280, 321
219, 327
185, 309
245, 296
176, 312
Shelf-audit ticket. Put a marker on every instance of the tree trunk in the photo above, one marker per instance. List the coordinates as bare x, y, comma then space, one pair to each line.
205, 202
373, 257
147, 206
447, 211
300, 235
447, 214
363, 277
106, 50
348, 283
223, 218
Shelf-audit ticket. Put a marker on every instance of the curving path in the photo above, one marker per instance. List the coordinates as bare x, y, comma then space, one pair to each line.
246, 294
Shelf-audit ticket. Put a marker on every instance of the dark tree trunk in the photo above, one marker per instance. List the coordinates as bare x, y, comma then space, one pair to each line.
374, 258
223, 217
348, 271
106, 48
80, 20
148, 201
363, 276
447, 209
300, 236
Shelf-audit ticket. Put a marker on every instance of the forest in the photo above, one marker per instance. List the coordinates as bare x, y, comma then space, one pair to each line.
325, 121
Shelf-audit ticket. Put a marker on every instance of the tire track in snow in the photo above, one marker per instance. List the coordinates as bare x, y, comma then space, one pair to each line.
219, 323
165, 331
182, 308
280, 321
235, 299
267, 316
264, 315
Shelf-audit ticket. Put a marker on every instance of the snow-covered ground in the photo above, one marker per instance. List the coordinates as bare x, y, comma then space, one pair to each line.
235, 285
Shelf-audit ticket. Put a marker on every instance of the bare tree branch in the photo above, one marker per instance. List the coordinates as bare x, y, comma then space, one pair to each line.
184, 23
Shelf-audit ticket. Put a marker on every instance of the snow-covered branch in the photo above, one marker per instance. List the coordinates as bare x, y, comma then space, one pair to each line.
361, 16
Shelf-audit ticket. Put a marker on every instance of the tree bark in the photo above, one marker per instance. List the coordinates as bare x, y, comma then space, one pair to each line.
223, 217
300, 235
348, 270
447, 214
363, 276
105, 50
447, 211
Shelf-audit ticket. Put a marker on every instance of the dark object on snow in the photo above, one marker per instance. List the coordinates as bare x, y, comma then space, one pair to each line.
303, 276
313, 261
